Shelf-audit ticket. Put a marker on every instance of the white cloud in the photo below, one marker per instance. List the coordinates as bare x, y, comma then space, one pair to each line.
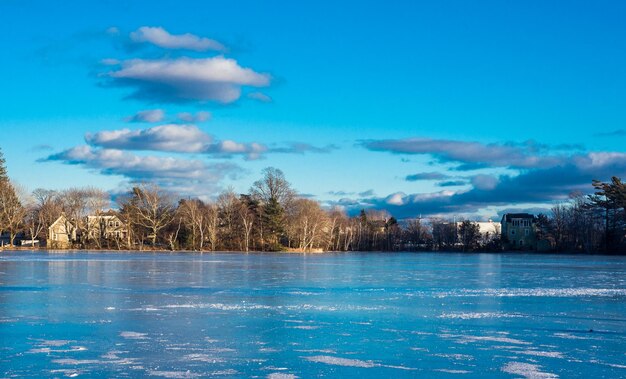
110, 61
162, 38
170, 137
260, 96
151, 115
201, 116
187, 79
188, 177
396, 198
188, 139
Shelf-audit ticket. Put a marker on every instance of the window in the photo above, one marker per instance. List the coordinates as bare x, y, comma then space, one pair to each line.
521, 242
512, 232
117, 224
527, 231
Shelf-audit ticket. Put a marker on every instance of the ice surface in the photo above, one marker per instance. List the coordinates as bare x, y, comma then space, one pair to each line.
282, 316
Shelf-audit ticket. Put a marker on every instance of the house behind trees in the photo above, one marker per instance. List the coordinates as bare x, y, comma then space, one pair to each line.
61, 233
106, 226
519, 231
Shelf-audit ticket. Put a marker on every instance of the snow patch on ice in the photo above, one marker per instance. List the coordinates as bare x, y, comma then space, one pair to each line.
55, 343
448, 371
538, 353
527, 370
477, 315
569, 336
47, 350
203, 358
337, 361
322, 351
69, 373
134, 335
470, 339
281, 375
458, 357
525, 292
76, 362
173, 374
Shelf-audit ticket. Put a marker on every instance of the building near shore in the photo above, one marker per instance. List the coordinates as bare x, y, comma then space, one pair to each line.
107, 225
61, 233
519, 231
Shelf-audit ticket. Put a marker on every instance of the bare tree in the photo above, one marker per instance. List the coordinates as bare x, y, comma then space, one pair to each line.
247, 216
211, 224
307, 221
193, 215
151, 208
12, 211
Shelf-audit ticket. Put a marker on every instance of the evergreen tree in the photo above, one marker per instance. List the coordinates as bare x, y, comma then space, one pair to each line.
274, 193
4, 177
470, 235
274, 221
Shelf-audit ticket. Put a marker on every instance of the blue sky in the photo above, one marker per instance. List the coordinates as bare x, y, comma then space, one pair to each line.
448, 107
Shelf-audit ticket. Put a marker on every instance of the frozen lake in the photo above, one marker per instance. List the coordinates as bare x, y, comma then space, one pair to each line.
376, 315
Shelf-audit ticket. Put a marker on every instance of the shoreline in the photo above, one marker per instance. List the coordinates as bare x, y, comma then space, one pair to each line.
316, 252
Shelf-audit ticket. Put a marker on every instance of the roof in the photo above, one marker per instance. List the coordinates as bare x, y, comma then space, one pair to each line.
508, 216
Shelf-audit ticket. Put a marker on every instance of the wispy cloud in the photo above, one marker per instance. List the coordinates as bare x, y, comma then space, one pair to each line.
118, 162
532, 186
170, 137
260, 96
162, 38
186, 79
189, 117
301, 148
614, 133
151, 115
190, 139
43, 147
189, 176
426, 176
173, 138
471, 154
452, 183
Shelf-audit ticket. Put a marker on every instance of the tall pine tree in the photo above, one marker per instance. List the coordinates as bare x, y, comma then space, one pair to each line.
11, 210
4, 177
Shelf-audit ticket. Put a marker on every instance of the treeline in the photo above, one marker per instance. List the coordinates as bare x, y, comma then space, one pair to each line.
272, 217
588, 223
